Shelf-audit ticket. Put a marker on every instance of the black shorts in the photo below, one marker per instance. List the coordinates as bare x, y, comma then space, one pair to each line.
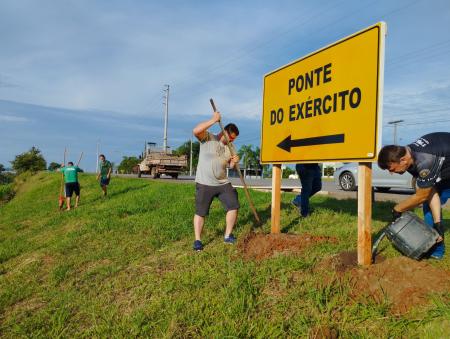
72, 187
104, 181
204, 196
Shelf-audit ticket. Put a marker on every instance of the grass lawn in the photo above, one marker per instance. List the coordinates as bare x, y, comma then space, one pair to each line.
123, 266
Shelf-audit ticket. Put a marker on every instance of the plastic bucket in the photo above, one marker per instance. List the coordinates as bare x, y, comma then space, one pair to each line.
411, 236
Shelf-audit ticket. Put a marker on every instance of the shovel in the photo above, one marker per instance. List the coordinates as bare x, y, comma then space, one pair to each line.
61, 197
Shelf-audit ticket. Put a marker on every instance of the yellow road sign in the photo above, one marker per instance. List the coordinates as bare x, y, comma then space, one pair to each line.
326, 106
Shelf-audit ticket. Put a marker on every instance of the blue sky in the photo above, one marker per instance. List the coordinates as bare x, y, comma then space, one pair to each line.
74, 73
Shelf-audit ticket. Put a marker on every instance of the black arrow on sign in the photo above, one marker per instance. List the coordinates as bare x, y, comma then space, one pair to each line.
287, 143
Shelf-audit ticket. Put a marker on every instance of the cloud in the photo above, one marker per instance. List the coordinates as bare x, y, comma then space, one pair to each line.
13, 118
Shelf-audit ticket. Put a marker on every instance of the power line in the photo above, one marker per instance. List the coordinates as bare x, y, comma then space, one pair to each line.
423, 112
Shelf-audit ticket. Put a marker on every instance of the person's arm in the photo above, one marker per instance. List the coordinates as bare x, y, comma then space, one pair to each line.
422, 195
200, 130
109, 171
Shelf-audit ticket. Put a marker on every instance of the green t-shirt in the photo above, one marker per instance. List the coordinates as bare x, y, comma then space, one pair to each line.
104, 168
70, 173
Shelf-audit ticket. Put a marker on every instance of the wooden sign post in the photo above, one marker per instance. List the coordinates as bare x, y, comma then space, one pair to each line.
276, 198
364, 213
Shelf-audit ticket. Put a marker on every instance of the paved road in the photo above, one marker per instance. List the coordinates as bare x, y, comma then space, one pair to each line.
293, 185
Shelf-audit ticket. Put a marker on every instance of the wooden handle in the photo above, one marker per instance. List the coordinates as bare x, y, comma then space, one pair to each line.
81, 156
213, 105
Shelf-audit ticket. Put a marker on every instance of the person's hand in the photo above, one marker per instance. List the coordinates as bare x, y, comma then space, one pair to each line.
98, 177
440, 229
396, 214
234, 160
216, 117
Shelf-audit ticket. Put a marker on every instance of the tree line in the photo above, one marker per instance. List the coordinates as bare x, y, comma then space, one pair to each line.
33, 161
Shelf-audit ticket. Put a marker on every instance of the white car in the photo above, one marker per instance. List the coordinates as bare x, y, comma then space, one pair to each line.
346, 177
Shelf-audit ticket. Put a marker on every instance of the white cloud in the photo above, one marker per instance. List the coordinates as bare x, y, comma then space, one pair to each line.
13, 118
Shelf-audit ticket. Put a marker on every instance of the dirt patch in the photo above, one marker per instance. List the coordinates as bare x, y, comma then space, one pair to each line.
343, 262
258, 246
403, 282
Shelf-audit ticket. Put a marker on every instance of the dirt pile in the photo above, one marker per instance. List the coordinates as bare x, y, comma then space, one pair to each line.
403, 282
258, 246
343, 262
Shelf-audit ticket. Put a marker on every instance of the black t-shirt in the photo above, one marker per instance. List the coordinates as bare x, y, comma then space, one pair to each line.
431, 155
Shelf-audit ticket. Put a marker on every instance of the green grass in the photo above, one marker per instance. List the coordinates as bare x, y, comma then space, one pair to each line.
123, 267
6, 192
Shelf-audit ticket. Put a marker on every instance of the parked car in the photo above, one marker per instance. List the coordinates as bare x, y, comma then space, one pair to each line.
346, 177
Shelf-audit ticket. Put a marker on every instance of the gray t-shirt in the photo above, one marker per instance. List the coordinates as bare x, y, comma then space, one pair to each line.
212, 161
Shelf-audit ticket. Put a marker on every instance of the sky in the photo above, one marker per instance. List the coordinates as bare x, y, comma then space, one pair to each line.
86, 74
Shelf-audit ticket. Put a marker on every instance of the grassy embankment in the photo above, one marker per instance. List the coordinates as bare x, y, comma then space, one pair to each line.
123, 266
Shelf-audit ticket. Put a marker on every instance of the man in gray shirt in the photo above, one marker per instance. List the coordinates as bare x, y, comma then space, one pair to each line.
211, 179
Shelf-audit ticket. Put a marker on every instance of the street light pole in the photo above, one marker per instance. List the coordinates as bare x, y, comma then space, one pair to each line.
166, 117
96, 165
395, 123
190, 161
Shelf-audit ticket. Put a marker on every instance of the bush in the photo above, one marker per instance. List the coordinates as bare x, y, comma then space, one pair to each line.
53, 166
6, 192
31, 161
5, 178
328, 171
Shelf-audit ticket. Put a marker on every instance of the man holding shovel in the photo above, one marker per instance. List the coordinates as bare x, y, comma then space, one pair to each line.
71, 183
428, 160
211, 180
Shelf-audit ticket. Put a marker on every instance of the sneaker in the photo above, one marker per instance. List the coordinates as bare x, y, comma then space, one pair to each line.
230, 239
436, 257
198, 246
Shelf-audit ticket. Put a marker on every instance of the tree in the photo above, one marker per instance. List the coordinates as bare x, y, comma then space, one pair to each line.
246, 155
31, 161
185, 149
127, 164
287, 172
329, 171
53, 166
250, 157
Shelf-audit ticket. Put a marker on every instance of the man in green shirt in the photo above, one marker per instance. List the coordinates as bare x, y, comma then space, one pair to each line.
104, 174
71, 183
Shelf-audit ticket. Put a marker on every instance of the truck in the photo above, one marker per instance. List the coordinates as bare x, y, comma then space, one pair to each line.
156, 161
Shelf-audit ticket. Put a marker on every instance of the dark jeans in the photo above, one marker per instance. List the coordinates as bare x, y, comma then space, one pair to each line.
311, 180
437, 250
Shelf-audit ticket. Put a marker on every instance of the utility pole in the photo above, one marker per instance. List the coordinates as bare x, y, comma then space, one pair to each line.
190, 161
166, 116
395, 123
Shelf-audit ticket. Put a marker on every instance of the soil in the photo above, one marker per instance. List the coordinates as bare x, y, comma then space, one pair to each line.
258, 246
402, 282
